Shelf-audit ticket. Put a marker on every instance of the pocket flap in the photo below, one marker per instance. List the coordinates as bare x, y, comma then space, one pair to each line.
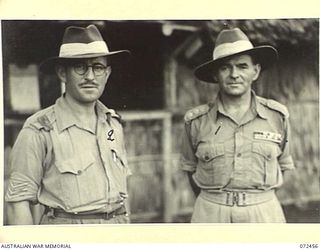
262, 149
76, 164
209, 152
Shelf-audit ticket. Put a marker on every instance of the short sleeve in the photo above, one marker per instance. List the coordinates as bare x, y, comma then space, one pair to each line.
188, 161
26, 166
285, 159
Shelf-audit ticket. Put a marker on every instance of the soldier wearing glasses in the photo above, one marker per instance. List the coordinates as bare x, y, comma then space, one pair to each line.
70, 157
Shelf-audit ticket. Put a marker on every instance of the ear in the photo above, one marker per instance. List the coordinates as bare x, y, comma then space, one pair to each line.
257, 68
61, 72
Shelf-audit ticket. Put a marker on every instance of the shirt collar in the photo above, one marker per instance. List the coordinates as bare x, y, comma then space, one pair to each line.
65, 117
256, 107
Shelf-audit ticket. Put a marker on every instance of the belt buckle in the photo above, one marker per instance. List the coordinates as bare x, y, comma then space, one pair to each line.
230, 199
241, 199
235, 198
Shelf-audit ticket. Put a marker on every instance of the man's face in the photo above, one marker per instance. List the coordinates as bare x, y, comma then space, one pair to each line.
83, 78
236, 74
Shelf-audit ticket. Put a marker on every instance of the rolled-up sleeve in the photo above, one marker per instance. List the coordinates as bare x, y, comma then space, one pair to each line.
188, 161
285, 159
26, 166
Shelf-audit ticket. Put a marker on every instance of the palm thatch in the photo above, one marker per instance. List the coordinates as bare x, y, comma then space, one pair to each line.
273, 31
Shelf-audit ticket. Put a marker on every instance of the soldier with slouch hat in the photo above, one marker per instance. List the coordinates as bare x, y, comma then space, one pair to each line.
70, 157
236, 148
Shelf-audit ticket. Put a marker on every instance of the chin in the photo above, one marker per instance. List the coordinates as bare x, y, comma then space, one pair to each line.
235, 93
89, 99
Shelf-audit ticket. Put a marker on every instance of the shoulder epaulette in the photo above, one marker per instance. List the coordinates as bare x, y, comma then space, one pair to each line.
274, 105
114, 114
42, 120
196, 112
45, 123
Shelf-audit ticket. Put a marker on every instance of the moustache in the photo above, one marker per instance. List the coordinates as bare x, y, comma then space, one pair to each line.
89, 84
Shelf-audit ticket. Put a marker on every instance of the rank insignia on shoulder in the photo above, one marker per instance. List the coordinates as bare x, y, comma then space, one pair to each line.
267, 136
196, 112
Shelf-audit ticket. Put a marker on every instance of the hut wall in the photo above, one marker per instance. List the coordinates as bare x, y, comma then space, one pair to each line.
294, 82
144, 146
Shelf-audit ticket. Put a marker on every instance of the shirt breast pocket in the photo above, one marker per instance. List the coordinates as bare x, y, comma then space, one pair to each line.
75, 165
80, 181
265, 162
211, 165
210, 155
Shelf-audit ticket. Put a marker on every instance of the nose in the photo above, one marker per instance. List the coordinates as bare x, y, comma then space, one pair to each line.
89, 74
234, 72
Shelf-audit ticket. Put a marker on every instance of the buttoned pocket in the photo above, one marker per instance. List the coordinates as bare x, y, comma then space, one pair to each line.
80, 181
208, 153
265, 162
75, 165
211, 171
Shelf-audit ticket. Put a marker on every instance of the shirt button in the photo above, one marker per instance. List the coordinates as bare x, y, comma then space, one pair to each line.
239, 155
206, 157
79, 172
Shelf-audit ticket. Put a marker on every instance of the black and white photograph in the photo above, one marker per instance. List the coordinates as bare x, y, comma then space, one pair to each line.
160, 121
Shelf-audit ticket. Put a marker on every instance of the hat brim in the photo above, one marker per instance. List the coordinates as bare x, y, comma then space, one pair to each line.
264, 55
48, 65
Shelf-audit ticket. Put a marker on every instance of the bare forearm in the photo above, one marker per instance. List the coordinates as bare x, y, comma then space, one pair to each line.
19, 213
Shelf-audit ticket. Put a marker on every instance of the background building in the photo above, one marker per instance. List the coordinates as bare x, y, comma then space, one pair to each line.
156, 87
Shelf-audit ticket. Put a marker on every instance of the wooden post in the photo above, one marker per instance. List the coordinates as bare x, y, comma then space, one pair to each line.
167, 175
170, 83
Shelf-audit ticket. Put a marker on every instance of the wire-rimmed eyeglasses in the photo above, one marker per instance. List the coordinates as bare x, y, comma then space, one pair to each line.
97, 68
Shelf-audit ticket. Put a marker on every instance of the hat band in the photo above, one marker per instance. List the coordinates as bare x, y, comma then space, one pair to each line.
227, 49
77, 49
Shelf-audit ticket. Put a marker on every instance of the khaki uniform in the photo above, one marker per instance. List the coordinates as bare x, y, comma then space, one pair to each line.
237, 165
60, 163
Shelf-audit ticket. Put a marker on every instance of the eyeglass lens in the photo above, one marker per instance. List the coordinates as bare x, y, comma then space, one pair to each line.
82, 68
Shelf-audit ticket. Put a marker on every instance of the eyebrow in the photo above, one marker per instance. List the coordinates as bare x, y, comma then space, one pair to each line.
237, 64
242, 64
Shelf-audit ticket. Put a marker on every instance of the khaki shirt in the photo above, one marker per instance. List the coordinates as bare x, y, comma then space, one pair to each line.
225, 155
60, 163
